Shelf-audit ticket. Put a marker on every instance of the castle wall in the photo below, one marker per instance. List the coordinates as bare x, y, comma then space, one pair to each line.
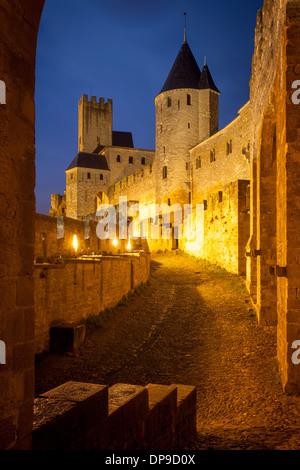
76, 289
220, 234
54, 238
276, 168
122, 169
139, 186
18, 36
226, 167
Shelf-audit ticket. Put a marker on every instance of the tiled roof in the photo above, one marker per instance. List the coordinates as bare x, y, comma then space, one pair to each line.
122, 139
185, 73
89, 160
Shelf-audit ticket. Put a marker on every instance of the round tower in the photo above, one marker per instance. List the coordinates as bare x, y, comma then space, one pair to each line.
186, 114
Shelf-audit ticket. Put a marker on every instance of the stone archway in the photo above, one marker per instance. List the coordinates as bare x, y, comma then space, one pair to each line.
18, 38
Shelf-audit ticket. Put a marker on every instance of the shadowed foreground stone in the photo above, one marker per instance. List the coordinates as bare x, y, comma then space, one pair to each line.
123, 417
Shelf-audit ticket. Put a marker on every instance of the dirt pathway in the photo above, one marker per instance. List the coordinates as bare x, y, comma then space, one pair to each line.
192, 325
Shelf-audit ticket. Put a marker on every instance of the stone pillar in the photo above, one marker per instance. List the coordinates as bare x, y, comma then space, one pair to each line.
18, 34
266, 223
288, 212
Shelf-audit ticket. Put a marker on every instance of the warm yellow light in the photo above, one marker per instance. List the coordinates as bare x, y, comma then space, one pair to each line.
129, 244
75, 243
115, 242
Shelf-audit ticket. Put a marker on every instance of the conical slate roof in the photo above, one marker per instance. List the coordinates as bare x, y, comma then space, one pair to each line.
206, 80
185, 73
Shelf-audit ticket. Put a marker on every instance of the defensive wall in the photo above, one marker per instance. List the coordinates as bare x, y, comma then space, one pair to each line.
64, 279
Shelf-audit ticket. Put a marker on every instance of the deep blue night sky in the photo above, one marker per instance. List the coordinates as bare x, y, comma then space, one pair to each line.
124, 50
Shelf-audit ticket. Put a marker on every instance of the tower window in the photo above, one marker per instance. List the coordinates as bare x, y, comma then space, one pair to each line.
220, 196
198, 163
165, 172
164, 149
188, 100
161, 128
212, 155
169, 202
101, 177
89, 176
169, 102
72, 176
187, 166
189, 125
118, 158
143, 161
130, 160
205, 204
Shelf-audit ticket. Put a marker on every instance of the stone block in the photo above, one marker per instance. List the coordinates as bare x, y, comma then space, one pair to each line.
133, 401
162, 415
186, 412
92, 400
66, 415
67, 338
56, 424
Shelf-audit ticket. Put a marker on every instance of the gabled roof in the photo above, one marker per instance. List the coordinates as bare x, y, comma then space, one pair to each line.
206, 82
122, 139
89, 160
184, 73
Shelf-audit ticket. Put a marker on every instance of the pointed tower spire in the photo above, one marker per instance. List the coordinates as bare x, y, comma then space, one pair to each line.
206, 81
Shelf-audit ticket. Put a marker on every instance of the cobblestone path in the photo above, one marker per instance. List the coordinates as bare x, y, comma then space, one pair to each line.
192, 325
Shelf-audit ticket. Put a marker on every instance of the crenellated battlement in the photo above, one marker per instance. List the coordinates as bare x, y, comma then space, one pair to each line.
100, 104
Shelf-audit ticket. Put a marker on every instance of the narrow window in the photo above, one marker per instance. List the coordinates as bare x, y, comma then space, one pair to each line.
189, 125
205, 204
164, 149
161, 128
169, 202
118, 158
101, 177
187, 166
229, 147
89, 176
198, 163
72, 176
143, 161
188, 100
165, 172
130, 160
220, 196
212, 155
169, 102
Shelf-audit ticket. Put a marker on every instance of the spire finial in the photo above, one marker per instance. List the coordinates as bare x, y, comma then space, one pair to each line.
184, 26
204, 60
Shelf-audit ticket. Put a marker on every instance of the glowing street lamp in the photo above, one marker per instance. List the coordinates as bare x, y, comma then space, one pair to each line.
75, 243
129, 244
115, 242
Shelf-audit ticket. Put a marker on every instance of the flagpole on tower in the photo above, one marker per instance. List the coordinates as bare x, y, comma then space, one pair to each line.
184, 26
